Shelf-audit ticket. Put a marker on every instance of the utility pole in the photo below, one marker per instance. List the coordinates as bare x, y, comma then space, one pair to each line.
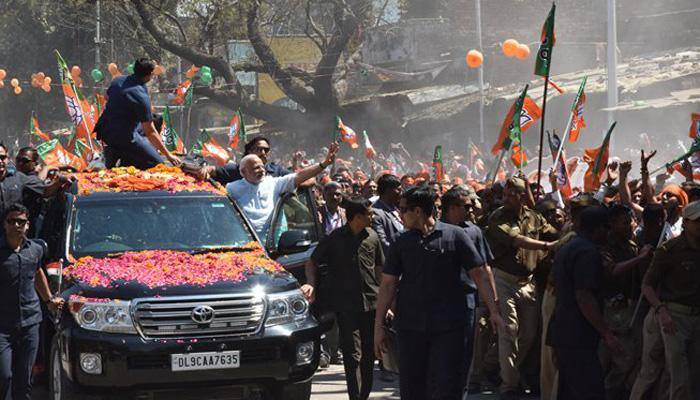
98, 37
612, 64
481, 73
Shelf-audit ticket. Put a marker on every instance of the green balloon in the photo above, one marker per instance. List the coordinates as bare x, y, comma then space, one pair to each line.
205, 70
206, 78
130, 68
97, 75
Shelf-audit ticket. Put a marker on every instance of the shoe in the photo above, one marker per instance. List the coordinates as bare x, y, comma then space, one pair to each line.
323, 361
336, 361
509, 396
474, 388
386, 376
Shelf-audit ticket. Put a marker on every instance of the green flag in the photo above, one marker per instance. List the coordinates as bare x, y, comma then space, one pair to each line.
544, 54
171, 139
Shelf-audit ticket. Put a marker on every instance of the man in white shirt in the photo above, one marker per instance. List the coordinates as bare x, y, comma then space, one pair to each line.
257, 193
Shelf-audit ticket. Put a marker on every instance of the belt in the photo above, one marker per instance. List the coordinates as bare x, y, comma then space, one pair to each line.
683, 309
512, 279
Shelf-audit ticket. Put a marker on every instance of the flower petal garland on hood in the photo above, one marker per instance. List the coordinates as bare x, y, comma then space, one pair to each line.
160, 268
130, 179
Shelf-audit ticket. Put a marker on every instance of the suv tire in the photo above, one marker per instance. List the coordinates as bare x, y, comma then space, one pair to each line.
60, 387
290, 391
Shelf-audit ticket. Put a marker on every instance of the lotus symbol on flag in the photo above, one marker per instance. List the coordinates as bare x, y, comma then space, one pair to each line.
232, 130
74, 110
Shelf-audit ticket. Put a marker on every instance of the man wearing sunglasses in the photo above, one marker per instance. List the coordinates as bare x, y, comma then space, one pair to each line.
456, 208
22, 283
259, 146
17, 187
423, 271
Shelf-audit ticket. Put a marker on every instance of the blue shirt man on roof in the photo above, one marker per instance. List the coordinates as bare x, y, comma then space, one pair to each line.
128, 109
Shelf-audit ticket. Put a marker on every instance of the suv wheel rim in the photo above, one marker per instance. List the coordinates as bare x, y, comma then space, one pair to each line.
56, 375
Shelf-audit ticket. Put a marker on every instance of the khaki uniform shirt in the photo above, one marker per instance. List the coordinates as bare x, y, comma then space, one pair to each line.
675, 270
504, 226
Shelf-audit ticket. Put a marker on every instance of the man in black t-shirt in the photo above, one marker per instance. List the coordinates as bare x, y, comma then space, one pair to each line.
424, 266
577, 324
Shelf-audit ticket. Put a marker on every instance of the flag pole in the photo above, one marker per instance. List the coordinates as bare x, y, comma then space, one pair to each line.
539, 159
563, 140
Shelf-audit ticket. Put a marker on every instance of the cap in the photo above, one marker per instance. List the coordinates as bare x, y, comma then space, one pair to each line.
692, 211
516, 183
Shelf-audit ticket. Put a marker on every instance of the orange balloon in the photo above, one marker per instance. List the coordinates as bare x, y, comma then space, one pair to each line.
36, 83
475, 59
522, 52
510, 47
75, 71
18, 90
47, 80
2, 84
40, 76
113, 69
3, 74
46, 88
14, 82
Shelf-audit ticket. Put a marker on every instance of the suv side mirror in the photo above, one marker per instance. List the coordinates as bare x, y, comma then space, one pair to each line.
293, 241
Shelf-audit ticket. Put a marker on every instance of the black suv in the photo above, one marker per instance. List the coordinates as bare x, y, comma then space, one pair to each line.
239, 339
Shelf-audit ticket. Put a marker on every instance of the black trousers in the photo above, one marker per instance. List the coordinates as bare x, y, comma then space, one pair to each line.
17, 354
357, 343
580, 374
431, 365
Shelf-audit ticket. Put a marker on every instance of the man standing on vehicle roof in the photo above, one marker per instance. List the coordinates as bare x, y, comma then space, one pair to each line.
129, 105
21, 277
257, 193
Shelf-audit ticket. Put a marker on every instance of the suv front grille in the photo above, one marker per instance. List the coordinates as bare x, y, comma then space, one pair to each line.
171, 317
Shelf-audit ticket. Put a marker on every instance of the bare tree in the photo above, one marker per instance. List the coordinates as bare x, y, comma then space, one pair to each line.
316, 91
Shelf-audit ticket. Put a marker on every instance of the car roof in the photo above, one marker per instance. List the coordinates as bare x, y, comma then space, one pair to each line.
133, 182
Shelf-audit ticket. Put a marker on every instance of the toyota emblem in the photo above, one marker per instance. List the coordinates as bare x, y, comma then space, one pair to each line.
202, 314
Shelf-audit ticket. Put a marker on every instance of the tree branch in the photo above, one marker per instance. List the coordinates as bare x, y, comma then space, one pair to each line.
183, 51
320, 38
283, 78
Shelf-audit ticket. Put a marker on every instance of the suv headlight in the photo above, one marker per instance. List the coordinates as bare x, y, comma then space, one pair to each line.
103, 315
286, 307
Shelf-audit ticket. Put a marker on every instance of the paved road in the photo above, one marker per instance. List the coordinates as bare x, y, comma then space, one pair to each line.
329, 384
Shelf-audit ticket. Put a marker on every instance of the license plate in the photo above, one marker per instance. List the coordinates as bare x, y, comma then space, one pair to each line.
201, 361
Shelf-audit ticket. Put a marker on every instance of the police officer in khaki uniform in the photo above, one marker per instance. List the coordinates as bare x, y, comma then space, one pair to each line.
675, 270
515, 235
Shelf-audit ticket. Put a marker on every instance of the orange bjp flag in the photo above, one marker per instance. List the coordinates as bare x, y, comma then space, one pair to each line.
530, 113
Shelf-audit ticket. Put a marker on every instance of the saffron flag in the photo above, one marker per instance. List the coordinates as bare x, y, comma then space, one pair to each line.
694, 125
515, 132
207, 147
171, 139
369, 149
34, 129
78, 108
577, 121
345, 133
529, 114
100, 104
563, 179
544, 54
55, 155
236, 130
438, 166
183, 93
597, 160
693, 157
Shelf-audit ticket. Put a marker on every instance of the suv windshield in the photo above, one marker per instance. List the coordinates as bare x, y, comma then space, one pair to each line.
156, 223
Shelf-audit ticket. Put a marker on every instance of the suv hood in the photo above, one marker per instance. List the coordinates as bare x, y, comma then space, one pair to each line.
270, 282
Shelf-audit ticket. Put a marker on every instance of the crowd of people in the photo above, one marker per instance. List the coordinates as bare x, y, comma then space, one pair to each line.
481, 286
458, 285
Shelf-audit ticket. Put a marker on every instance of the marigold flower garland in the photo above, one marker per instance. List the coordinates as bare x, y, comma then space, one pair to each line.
130, 179
160, 268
